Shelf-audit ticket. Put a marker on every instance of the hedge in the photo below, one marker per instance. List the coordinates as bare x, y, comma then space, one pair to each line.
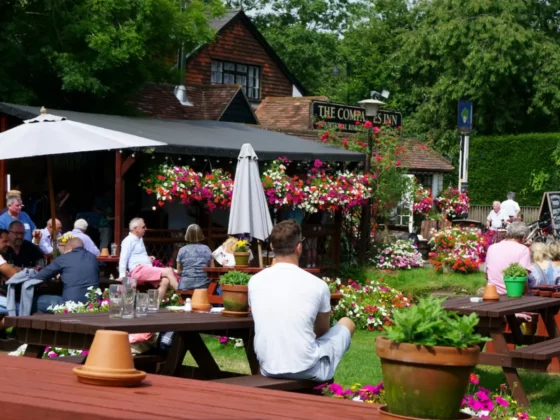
498, 164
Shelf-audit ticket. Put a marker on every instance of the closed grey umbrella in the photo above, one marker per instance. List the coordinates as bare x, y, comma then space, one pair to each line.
249, 210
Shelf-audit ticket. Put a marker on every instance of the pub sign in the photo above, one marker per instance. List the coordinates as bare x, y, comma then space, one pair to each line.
347, 116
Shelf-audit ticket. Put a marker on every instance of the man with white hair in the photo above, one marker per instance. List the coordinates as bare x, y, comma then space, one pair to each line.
510, 207
511, 250
135, 260
15, 213
79, 231
496, 217
45, 237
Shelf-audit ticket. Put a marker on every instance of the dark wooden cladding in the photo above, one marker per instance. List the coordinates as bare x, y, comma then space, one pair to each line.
237, 44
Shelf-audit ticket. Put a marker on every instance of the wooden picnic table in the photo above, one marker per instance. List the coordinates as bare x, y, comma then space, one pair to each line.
494, 316
76, 331
49, 389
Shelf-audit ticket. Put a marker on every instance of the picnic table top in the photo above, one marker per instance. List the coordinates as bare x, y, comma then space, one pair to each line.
108, 259
504, 307
49, 389
89, 323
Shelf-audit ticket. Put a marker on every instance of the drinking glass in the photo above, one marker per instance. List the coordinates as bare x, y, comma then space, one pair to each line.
128, 297
115, 300
129, 282
153, 300
141, 304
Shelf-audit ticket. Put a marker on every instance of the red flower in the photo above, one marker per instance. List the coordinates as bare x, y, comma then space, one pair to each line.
357, 122
341, 126
398, 163
376, 130
368, 124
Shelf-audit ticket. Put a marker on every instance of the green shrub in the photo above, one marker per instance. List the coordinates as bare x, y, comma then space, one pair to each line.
515, 270
498, 164
235, 278
428, 324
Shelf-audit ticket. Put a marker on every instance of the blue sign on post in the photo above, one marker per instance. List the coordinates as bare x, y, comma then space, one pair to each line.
464, 116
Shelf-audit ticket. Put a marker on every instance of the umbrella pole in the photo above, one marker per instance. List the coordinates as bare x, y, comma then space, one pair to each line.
51, 200
259, 247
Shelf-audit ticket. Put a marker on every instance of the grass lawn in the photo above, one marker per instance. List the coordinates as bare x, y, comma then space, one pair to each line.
361, 365
424, 281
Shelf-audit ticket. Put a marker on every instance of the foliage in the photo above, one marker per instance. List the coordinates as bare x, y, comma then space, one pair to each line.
171, 299
452, 203
60, 51
241, 246
532, 156
402, 254
97, 301
235, 278
367, 393
461, 249
370, 306
483, 403
237, 343
515, 270
428, 324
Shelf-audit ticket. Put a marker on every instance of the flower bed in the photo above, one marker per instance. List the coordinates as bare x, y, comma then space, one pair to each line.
401, 254
370, 306
459, 249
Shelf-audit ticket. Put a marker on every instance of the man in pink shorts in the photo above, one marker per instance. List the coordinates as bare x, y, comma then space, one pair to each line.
136, 261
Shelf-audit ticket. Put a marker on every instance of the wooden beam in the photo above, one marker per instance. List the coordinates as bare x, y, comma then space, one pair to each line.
126, 164
119, 200
3, 127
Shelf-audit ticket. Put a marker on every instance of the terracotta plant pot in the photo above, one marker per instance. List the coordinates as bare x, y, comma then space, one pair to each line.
199, 301
109, 361
241, 259
385, 415
425, 382
335, 298
490, 293
104, 252
236, 300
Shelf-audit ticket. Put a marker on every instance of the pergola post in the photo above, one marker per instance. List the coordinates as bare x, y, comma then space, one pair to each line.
121, 168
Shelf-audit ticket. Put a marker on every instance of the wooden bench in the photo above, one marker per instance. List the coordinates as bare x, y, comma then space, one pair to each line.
543, 351
259, 381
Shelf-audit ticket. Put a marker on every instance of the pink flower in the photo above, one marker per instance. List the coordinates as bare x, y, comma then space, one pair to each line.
317, 163
376, 130
502, 402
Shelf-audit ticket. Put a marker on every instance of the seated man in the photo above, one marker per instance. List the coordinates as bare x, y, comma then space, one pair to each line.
496, 217
293, 338
135, 259
21, 252
45, 238
80, 227
78, 270
511, 250
6, 270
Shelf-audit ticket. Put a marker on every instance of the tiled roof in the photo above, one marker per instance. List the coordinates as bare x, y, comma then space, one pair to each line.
420, 157
292, 116
286, 113
218, 23
209, 101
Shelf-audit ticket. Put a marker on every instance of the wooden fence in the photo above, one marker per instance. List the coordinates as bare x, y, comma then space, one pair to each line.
480, 213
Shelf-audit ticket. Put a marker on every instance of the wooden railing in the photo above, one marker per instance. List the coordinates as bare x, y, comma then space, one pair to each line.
480, 213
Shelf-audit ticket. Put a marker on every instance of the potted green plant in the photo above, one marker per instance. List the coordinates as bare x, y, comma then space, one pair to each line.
235, 293
426, 358
241, 253
515, 279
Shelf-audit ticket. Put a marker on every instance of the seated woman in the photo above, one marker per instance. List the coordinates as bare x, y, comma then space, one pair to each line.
191, 259
543, 270
553, 250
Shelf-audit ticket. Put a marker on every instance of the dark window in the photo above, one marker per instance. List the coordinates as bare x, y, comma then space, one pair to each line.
227, 73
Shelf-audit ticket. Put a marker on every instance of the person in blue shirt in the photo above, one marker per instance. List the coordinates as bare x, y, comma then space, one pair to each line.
15, 213
78, 271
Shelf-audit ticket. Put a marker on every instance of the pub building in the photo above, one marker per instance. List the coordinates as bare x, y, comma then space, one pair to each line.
235, 90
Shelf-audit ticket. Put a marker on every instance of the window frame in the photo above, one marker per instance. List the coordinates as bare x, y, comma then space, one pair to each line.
251, 82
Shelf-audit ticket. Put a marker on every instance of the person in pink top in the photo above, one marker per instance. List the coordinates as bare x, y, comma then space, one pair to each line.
511, 250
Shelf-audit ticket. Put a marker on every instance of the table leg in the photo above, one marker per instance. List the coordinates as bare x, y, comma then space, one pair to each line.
248, 338
34, 351
176, 355
512, 377
550, 324
202, 356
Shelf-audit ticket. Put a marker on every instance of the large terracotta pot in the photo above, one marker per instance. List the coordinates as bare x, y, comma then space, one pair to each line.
425, 382
241, 259
236, 300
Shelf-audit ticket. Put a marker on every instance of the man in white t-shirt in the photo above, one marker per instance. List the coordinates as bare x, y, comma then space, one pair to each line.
510, 207
496, 217
291, 309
